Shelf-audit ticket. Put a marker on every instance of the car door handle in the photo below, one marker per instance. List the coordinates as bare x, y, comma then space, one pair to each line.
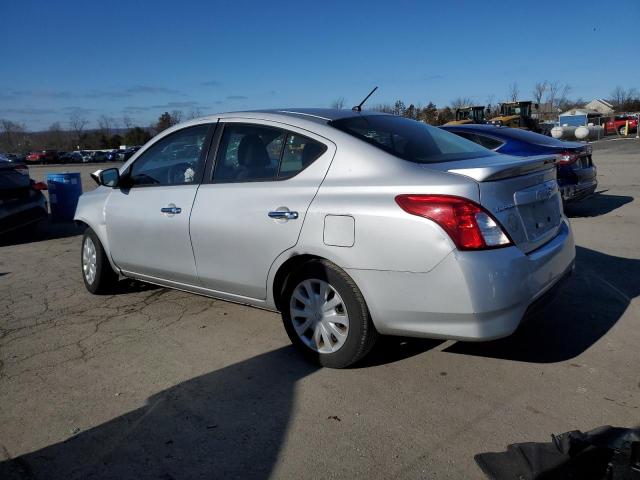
286, 215
171, 210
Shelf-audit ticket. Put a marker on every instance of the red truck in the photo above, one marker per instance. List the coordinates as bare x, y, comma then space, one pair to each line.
619, 123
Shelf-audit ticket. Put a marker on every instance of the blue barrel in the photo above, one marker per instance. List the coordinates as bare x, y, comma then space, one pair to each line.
64, 190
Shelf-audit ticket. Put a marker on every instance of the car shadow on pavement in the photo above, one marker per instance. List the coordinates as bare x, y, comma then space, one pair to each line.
393, 349
45, 230
596, 205
230, 423
590, 304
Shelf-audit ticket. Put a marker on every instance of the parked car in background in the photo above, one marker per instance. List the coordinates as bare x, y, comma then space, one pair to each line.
619, 124
98, 156
65, 157
43, 156
577, 174
15, 157
36, 157
22, 203
113, 156
349, 223
127, 153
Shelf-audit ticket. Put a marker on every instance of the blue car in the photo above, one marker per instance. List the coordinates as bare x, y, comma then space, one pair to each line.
577, 175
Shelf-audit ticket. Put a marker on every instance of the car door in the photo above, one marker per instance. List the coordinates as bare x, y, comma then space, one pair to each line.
147, 217
253, 206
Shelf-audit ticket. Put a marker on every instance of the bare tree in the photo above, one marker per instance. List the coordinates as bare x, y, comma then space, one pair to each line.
563, 97
105, 125
12, 135
538, 92
461, 102
78, 123
338, 103
513, 92
491, 108
127, 121
176, 117
194, 113
56, 137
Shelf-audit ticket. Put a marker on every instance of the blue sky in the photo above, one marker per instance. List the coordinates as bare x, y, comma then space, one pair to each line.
139, 59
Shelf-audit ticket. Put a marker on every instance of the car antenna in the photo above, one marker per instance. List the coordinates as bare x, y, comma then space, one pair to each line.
358, 108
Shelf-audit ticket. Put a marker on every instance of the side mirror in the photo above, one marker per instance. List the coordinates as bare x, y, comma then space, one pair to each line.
109, 177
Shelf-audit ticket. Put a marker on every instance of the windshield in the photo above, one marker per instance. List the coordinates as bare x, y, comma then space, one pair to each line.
409, 139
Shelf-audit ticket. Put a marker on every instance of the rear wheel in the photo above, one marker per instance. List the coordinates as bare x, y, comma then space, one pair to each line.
325, 315
621, 131
98, 276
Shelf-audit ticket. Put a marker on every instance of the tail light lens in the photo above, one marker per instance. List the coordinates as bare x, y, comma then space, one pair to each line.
567, 157
469, 225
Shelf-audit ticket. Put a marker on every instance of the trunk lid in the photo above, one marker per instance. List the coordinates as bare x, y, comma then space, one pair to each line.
521, 193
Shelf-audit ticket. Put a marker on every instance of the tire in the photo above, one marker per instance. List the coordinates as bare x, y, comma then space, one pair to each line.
333, 291
621, 131
101, 279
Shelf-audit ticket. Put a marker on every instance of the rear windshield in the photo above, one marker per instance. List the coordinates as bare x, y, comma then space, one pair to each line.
409, 139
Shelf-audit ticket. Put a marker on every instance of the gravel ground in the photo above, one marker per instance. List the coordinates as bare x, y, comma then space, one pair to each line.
156, 383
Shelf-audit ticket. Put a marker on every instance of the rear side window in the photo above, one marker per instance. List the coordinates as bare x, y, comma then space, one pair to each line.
299, 153
251, 153
409, 139
489, 142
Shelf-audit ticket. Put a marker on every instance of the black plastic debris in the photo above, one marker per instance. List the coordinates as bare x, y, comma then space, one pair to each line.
604, 453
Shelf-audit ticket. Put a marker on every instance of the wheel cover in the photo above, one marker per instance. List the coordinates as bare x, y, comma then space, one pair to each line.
89, 262
319, 316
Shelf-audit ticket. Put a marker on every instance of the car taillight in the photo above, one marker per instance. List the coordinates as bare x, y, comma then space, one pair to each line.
567, 157
469, 225
39, 186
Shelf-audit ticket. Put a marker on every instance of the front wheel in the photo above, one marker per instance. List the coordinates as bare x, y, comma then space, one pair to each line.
98, 276
325, 315
621, 131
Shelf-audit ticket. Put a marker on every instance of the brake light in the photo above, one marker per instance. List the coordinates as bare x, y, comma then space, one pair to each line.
567, 157
469, 225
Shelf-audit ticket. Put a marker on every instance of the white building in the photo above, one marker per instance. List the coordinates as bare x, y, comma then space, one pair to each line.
600, 105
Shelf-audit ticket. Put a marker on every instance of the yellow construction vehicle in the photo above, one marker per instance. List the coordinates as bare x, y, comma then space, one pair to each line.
516, 115
469, 115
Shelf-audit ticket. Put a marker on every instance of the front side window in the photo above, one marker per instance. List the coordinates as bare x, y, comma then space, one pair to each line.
174, 160
409, 139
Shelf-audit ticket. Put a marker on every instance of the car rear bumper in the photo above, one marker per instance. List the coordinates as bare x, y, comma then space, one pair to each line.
469, 295
584, 185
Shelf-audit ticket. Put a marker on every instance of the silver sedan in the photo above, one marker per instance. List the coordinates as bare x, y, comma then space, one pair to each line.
351, 224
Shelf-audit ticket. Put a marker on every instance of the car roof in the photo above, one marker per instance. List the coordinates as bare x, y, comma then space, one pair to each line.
316, 115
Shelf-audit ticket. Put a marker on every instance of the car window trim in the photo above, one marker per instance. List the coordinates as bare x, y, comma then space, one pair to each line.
212, 155
211, 130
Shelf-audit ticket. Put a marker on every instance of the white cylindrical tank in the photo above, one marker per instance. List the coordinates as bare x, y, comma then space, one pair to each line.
581, 133
556, 132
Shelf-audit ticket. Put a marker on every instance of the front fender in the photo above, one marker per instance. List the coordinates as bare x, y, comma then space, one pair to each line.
91, 211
